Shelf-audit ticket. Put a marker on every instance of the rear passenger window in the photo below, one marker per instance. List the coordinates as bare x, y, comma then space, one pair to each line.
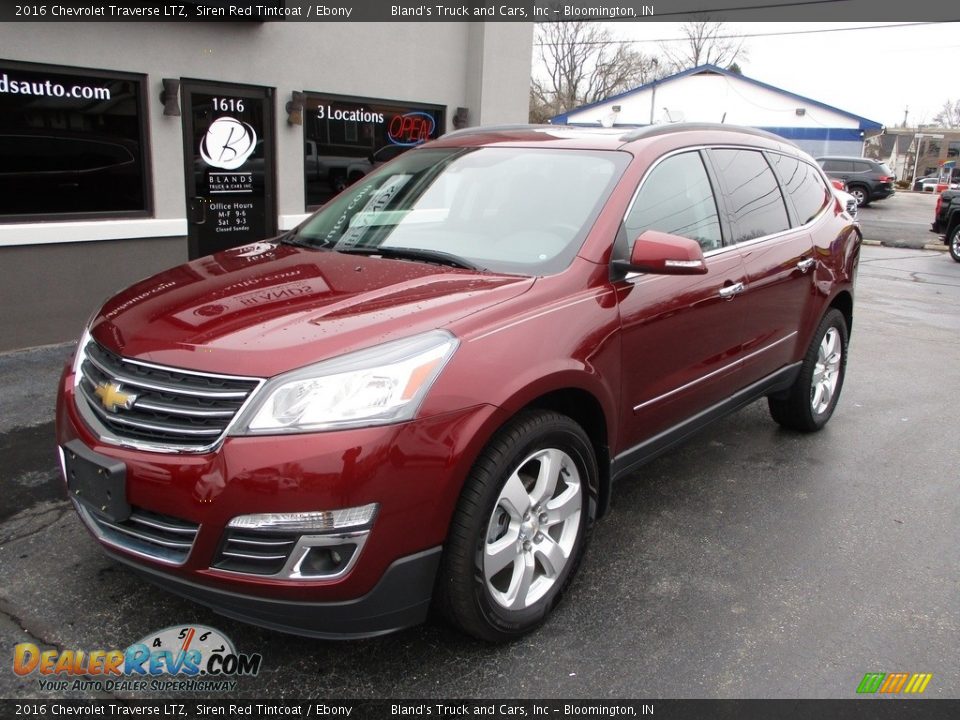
837, 165
676, 198
803, 184
753, 195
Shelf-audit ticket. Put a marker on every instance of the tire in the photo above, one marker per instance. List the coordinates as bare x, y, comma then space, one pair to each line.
860, 194
521, 526
953, 243
810, 401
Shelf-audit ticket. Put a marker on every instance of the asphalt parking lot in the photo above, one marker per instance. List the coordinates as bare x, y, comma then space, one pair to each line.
902, 220
750, 562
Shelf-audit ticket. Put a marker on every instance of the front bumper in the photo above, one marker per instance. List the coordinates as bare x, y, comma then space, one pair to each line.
413, 471
401, 599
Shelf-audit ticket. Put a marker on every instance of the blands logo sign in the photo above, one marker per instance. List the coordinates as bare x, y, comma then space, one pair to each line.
228, 143
893, 683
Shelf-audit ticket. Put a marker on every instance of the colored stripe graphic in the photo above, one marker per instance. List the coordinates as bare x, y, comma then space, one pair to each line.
892, 683
871, 682
918, 683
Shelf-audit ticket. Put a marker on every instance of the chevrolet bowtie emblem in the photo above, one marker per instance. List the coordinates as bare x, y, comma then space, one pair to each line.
113, 398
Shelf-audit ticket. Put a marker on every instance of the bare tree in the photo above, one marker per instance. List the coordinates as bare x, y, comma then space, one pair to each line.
581, 63
706, 43
949, 115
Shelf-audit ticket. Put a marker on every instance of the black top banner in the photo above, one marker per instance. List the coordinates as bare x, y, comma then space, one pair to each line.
476, 11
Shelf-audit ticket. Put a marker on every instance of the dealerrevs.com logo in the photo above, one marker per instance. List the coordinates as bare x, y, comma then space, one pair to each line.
180, 657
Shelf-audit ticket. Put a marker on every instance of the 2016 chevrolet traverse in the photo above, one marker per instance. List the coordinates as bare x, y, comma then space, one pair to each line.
423, 395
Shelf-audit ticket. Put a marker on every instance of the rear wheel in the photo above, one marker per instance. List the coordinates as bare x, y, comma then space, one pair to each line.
954, 243
860, 194
520, 528
809, 403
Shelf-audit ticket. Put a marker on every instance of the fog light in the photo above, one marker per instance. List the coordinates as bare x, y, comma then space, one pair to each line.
321, 561
315, 521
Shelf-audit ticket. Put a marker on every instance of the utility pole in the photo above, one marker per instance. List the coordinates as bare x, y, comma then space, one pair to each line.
906, 111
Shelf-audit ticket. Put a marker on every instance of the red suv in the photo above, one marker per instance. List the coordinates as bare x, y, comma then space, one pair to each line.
424, 394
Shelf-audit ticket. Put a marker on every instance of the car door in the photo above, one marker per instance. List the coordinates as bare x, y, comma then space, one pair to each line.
841, 169
776, 248
681, 335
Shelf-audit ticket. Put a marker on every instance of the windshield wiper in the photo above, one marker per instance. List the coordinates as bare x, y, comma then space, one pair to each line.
292, 238
403, 253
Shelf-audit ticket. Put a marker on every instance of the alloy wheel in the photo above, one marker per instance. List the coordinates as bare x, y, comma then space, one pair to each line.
533, 529
826, 372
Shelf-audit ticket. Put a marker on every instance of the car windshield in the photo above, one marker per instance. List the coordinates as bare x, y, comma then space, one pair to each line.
512, 210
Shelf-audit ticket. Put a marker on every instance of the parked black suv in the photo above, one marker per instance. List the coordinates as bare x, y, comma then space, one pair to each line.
867, 180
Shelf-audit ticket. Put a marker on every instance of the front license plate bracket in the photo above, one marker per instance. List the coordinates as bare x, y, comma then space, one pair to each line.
97, 481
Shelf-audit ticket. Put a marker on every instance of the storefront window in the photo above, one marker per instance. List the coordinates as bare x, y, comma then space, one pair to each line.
71, 142
345, 138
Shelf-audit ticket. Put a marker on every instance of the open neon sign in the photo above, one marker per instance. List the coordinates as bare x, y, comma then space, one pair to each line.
411, 128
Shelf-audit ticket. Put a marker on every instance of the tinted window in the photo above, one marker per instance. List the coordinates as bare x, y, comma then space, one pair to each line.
677, 198
803, 184
752, 194
837, 165
862, 167
70, 142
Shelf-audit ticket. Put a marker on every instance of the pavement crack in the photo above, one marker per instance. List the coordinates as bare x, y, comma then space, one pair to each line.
7, 539
7, 611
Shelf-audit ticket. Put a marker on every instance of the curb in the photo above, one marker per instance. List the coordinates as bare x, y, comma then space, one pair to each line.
940, 247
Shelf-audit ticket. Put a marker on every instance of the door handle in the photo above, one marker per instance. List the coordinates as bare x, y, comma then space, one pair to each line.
198, 210
730, 291
806, 264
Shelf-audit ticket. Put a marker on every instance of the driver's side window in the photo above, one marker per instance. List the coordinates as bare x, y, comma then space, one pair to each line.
676, 197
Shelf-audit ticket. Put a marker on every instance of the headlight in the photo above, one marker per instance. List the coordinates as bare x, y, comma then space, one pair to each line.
80, 355
380, 385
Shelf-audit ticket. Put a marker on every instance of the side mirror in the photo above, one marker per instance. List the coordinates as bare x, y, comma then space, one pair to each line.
661, 253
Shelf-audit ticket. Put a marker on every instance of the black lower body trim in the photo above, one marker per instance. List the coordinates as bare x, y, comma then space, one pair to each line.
629, 460
400, 599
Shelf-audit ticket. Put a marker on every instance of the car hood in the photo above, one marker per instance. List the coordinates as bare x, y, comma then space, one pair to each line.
265, 308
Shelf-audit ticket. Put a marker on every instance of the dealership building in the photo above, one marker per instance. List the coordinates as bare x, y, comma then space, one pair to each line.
126, 148
712, 94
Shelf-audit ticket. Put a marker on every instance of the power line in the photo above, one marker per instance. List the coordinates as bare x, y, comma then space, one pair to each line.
757, 35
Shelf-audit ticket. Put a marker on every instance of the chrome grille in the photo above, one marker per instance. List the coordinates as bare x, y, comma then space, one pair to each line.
173, 409
254, 552
160, 537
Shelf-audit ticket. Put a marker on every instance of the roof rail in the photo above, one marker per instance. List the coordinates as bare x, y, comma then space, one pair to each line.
663, 129
493, 128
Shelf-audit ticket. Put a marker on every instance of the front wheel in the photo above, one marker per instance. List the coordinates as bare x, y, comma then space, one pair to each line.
954, 243
810, 401
520, 528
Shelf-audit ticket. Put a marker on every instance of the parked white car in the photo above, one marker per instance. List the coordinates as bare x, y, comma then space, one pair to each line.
848, 201
930, 185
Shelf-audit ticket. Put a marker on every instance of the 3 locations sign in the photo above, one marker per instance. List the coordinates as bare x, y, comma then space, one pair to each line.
347, 137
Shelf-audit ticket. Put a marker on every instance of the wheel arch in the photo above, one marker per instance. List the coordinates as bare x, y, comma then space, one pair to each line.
584, 409
843, 301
